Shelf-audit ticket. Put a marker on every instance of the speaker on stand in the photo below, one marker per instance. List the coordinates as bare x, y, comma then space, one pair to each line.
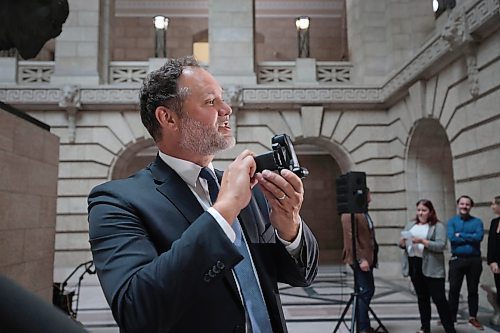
352, 197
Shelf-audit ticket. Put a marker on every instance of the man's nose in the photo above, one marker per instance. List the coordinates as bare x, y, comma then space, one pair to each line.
225, 109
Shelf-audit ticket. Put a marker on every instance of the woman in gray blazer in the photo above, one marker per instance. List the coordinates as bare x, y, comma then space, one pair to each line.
423, 241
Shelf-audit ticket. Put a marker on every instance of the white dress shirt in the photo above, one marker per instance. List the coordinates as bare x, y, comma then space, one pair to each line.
189, 172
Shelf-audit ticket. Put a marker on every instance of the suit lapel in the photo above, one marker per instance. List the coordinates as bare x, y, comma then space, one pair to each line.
171, 185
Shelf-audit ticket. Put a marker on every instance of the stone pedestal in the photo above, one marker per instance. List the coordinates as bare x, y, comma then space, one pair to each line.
305, 70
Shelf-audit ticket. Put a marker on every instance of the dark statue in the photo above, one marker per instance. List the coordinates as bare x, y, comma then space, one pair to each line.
27, 25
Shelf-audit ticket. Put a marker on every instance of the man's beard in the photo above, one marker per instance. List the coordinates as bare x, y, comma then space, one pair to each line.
202, 139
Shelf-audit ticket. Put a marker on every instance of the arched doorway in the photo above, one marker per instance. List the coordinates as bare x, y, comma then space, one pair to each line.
133, 158
319, 209
429, 169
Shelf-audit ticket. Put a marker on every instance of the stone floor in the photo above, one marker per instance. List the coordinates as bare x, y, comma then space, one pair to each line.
315, 309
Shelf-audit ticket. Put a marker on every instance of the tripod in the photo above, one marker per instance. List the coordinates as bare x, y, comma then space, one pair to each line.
355, 298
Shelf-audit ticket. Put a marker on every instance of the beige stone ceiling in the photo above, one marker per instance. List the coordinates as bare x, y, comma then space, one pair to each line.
199, 8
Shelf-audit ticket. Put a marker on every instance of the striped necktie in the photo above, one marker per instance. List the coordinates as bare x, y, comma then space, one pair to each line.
252, 296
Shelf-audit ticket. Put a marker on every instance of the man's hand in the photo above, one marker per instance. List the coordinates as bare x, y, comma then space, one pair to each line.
285, 194
494, 268
364, 265
236, 185
402, 242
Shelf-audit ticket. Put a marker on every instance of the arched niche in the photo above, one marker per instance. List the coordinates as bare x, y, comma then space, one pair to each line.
429, 169
133, 158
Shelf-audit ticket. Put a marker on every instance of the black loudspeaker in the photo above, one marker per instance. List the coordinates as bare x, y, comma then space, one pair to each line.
352, 193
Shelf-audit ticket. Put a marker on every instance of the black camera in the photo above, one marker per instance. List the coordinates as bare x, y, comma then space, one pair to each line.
281, 157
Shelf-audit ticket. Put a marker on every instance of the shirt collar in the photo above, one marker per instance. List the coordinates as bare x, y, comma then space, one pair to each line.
188, 171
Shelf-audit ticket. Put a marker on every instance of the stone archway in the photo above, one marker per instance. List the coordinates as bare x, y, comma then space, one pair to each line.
325, 161
429, 169
133, 158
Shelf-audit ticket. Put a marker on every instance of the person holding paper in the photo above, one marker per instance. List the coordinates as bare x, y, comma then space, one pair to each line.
424, 241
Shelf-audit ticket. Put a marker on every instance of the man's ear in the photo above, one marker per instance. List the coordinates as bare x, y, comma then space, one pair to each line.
166, 117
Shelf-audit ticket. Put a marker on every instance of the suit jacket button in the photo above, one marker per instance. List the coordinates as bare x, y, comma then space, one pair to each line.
206, 278
220, 265
211, 274
239, 329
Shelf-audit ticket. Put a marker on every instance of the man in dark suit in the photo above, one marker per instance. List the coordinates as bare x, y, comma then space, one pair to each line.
167, 242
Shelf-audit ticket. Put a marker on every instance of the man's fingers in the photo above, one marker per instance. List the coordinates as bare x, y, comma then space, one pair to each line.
293, 180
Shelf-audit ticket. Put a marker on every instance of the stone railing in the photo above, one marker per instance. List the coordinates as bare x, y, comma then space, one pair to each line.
127, 71
330, 72
333, 72
276, 72
269, 72
130, 71
34, 71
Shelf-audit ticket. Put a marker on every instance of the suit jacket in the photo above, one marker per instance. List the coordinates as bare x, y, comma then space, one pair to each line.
366, 244
433, 256
165, 264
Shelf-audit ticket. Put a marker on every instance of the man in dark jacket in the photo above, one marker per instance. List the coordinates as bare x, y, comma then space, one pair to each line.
175, 251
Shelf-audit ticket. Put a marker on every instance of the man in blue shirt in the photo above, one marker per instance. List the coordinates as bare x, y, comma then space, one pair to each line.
465, 233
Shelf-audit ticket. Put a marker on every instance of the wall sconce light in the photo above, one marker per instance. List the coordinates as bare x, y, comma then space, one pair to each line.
439, 6
161, 25
302, 24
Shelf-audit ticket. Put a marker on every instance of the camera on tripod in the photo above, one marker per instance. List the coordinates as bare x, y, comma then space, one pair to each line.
281, 157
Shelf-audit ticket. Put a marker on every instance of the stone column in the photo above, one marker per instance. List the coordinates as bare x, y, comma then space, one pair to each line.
76, 53
231, 41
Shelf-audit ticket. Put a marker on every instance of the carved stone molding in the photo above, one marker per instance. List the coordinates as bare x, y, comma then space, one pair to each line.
111, 96
50, 95
314, 95
30, 95
233, 95
70, 101
70, 96
472, 72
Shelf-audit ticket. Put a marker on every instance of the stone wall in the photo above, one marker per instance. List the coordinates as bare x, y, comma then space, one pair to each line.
29, 157
384, 34
101, 136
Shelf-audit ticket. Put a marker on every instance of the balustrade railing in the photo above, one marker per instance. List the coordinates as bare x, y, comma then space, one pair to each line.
34, 71
127, 71
276, 72
330, 72
333, 72
269, 72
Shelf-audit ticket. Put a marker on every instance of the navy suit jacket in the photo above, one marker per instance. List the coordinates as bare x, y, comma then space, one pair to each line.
165, 264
